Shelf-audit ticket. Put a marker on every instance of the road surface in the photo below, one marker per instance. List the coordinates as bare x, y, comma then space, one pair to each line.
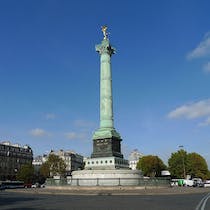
35, 201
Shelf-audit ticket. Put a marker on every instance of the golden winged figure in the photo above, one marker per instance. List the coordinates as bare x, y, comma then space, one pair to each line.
104, 30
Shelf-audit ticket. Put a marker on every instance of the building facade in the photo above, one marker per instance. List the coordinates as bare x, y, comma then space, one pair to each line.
38, 161
72, 160
134, 157
12, 157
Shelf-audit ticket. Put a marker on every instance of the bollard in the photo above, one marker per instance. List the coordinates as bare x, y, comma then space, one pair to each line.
119, 182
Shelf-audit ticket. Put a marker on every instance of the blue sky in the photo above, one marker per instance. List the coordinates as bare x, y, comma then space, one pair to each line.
49, 74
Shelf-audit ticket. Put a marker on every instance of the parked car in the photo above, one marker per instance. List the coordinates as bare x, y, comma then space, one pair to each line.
2, 187
206, 183
27, 185
188, 182
42, 185
197, 182
174, 183
36, 185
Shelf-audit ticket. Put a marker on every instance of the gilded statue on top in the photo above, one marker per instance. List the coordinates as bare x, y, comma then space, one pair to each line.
104, 30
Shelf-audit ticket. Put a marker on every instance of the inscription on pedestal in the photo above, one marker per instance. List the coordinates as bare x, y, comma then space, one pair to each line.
106, 148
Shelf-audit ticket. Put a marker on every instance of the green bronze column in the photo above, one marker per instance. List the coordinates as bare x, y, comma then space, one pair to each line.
106, 138
106, 107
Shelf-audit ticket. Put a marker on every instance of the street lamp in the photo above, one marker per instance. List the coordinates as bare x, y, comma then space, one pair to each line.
183, 164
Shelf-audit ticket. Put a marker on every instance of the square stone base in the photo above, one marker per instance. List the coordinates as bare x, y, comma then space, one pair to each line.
104, 163
107, 147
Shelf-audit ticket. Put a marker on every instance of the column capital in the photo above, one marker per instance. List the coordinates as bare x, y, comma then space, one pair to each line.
105, 47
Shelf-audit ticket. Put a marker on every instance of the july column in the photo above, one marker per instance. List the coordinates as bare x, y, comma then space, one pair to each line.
106, 108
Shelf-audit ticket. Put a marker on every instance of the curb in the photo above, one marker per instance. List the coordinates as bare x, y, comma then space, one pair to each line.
108, 191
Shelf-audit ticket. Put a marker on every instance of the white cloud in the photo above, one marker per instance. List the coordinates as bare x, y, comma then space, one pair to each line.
192, 111
50, 116
206, 68
75, 136
202, 49
83, 128
38, 132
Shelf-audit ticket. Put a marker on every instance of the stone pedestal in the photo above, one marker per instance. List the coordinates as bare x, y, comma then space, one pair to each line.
104, 163
107, 147
106, 177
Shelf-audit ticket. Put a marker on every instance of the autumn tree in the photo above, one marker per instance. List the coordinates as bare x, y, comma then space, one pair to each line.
53, 166
45, 170
26, 173
151, 165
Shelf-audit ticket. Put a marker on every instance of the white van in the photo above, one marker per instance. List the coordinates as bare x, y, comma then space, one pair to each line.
188, 182
206, 183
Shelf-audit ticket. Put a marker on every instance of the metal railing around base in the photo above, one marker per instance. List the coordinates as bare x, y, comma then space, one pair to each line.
144, 182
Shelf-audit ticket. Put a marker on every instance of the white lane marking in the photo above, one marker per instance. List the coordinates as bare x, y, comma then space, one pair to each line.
203, 201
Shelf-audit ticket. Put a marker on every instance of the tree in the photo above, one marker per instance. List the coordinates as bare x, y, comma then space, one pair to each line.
53, 166
151, 165
177, 164
26, 173
45, 170
182, 164
197, 166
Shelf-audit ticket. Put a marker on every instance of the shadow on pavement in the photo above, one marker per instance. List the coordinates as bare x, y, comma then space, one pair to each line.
6, 200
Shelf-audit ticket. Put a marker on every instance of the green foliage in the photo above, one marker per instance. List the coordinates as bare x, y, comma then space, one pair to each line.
177, 164
53, 166
181, 163
197, 166
151, 165
45, 170
208, 175
26, 173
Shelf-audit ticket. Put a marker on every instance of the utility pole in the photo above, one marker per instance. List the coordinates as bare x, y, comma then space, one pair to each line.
183, 163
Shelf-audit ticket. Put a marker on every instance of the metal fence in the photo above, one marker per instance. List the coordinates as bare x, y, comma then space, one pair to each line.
144, 182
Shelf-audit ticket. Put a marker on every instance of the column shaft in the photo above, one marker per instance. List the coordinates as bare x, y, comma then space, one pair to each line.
106, 107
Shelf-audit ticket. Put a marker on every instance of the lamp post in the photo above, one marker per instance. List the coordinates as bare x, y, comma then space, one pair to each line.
183, 163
